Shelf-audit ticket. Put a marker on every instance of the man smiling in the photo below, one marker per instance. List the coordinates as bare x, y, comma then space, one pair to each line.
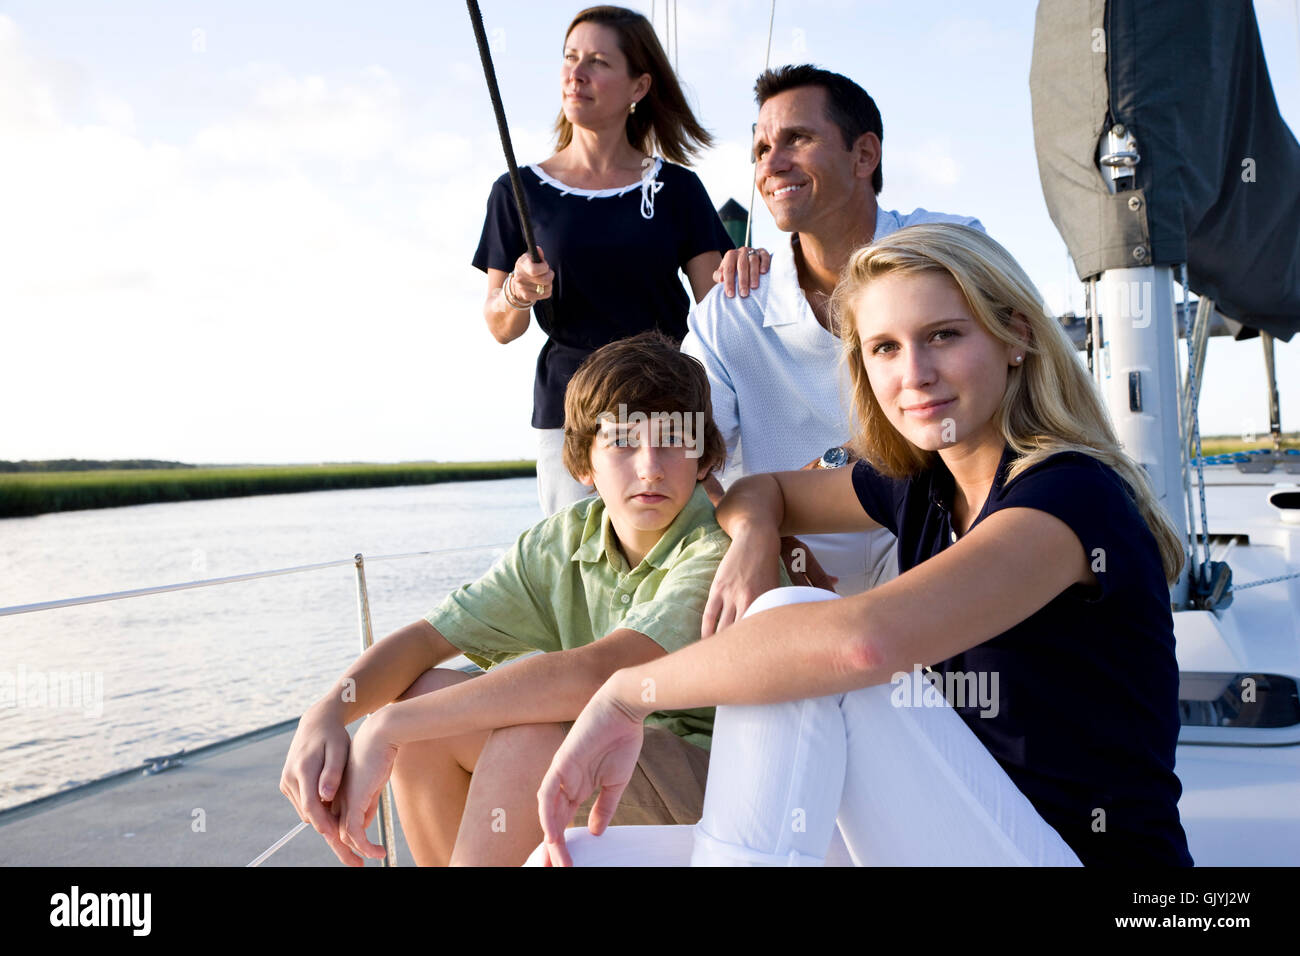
772, 356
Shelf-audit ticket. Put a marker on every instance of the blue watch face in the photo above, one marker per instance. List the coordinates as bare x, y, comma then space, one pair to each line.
835, 458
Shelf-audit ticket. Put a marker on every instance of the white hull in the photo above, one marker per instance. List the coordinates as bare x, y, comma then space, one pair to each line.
1241, 785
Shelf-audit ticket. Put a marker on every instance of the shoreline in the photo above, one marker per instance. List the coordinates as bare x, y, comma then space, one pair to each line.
30, 493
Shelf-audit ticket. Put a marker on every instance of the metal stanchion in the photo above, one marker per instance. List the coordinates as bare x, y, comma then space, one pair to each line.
386, 798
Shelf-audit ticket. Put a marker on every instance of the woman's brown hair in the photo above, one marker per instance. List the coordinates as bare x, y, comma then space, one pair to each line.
663, 122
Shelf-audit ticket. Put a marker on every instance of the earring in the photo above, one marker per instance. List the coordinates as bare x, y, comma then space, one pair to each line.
1019, 359
632, 108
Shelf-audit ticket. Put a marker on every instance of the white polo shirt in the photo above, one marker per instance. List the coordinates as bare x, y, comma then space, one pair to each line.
781, 395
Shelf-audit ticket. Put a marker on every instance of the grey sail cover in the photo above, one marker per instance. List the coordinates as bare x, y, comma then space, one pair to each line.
1218, 184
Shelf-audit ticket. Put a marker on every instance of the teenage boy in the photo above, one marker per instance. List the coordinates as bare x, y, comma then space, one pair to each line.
609, 582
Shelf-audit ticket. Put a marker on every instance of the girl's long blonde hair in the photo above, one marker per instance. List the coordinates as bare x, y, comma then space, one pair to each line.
1050, 404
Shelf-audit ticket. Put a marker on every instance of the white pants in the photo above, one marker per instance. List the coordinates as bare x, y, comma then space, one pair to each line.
556, 488
908, 786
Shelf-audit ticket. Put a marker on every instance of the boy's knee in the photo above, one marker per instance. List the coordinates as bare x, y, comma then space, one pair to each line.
519, 752
527, 738
435, 678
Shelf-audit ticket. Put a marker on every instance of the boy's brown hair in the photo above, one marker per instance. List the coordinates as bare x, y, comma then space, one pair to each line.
646, 373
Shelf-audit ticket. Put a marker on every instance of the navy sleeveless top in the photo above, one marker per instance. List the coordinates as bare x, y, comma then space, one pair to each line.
1087, 690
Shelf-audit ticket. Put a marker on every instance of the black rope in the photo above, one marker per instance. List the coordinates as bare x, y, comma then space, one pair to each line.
516, 184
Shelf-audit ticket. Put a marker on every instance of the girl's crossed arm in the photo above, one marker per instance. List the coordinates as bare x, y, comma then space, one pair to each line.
1007, 568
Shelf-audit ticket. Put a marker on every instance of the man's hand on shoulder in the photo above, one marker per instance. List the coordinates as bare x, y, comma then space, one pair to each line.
740, 270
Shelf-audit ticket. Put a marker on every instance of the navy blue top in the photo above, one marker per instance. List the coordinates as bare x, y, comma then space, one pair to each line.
1087, 689
616, 270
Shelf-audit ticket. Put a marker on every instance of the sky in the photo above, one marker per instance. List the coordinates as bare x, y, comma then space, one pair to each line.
241, 232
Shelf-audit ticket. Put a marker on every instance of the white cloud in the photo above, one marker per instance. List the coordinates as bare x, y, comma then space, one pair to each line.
970, 35
288, 278
114, 112
225, 299
430, 155
727, 172
922, 170
289, 119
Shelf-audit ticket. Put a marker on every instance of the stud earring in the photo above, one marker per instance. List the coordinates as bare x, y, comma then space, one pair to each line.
632, 108
1019, 359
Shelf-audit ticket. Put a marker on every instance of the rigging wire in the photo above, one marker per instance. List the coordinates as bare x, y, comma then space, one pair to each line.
1195, 382
672, 49
1185, 445
1295, 7
677, 47
753, 185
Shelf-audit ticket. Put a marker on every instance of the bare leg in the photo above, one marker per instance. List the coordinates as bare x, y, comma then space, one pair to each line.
500, 826
431, 779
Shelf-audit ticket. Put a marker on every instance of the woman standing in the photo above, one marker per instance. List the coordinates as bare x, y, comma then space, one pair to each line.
1034, 567
614, 223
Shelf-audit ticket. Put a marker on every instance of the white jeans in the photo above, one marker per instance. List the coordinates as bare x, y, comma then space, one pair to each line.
556, 488
908, 786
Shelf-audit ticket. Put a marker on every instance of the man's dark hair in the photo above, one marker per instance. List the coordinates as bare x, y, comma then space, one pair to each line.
848, 105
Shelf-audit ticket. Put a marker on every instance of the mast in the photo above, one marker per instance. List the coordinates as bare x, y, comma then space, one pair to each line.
1152, 121
1134, 357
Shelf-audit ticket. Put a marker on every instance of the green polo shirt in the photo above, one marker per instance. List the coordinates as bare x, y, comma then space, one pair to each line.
565, 583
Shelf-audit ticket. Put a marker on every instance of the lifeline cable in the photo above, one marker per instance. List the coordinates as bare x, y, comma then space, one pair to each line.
1195, 382
521, 202
265, 854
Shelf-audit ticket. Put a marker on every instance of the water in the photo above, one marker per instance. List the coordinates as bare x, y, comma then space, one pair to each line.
158, 673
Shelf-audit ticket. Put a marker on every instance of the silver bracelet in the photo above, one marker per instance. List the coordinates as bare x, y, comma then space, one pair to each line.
510, 299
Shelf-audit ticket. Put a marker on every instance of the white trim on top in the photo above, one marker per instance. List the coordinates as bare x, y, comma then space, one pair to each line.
568, 190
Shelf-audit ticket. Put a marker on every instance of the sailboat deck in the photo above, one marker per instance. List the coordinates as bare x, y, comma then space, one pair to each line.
1231, 793
136, 820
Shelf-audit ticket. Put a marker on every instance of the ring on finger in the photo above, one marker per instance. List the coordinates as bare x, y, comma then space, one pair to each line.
540, 288
751, 252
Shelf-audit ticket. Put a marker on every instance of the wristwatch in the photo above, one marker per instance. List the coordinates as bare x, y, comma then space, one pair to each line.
836, 457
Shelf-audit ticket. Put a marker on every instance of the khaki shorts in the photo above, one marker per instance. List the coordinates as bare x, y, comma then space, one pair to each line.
666, 788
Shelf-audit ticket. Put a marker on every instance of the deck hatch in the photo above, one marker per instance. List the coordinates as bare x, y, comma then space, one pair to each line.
1207, 699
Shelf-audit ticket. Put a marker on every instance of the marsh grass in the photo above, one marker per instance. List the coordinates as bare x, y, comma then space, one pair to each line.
38, 492
1222, 444
32, 493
